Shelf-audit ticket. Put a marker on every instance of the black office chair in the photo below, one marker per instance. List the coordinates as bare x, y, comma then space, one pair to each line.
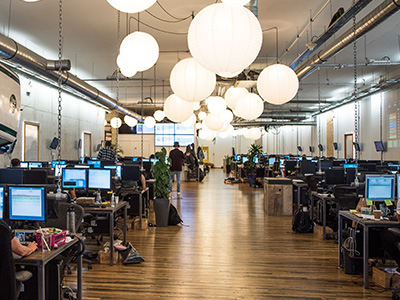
61, 221
10, 281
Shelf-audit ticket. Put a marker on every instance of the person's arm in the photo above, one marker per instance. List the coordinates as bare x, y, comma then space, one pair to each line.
21, 249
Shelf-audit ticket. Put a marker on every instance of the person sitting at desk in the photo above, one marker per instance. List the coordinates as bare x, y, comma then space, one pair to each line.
16, 246
390, 240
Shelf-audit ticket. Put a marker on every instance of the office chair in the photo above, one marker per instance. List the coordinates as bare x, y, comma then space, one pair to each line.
10, 281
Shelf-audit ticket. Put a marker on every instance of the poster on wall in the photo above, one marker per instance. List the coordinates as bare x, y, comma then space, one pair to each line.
392, 123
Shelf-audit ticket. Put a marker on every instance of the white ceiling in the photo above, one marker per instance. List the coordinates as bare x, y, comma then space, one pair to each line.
90, 41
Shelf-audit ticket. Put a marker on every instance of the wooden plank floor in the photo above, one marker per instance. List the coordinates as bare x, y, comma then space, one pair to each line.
229, 250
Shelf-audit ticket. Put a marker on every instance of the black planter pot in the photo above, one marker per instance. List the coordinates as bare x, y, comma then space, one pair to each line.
161, 210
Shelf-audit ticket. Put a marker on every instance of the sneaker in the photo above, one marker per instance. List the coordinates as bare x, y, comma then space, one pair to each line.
179, 194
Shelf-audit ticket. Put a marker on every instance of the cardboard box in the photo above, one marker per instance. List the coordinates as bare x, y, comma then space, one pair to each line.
385, 279
104, 257
136, 224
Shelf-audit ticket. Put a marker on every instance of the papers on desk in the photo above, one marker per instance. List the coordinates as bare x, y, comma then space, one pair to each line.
368, 217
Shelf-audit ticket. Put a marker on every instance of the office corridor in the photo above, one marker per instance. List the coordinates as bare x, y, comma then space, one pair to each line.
227, 249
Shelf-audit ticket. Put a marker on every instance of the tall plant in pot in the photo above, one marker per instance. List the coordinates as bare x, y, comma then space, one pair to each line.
162, 175
253, 152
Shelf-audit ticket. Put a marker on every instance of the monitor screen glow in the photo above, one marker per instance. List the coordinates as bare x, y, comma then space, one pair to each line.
99, 179
1, 202
35, 165
116, 168
74, 178
94, 163
56, 162
379, 187
27, 203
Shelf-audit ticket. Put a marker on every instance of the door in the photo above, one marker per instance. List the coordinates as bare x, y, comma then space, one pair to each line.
87, 144
348, 146
31, 141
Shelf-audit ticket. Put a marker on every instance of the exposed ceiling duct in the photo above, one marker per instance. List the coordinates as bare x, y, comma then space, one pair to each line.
369, 22
12, 51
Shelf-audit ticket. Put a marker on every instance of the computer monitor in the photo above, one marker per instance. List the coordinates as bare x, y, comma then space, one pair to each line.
379, 146
24, 164
99, 179
153, 160
244, 159
81, 166
56, 162
255, 159
95, 163
118, 169
131, 172
27, 203
74, 178
271, 161
1, 202
325, 164
350, 166
35, 165
379, 187
135, 158
334, 176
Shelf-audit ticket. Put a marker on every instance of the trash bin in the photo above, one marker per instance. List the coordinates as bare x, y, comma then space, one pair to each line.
161, 209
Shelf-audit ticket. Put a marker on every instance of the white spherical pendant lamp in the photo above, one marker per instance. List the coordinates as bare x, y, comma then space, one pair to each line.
202, 115
159, 115
249, 106
223, 135
128, 72
236, 2
131, 6
196, 106
192, 82
176, 109
226, 116
277, 84
116, 122
131, 122
216, 105
139, 51
189, 122
233, 94
213, 122
225, 39
225, 127
149, 122
254, 133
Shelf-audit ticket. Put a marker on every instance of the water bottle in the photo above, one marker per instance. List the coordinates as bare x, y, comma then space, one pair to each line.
112, 200
71, 221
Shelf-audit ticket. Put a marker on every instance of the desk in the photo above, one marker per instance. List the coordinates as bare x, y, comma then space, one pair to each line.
366, 224
139, 192
110, 211
323, 198
40, 258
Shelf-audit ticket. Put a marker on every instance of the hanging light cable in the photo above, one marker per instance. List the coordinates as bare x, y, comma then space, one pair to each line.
118, 74
60, 15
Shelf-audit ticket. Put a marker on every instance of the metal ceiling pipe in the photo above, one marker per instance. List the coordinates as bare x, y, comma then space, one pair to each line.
370, 21
12, 51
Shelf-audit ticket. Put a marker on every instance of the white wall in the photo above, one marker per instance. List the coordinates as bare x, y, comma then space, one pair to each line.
39, 103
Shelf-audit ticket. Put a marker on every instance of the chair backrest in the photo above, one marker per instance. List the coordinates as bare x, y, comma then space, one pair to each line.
61, 222
7, 269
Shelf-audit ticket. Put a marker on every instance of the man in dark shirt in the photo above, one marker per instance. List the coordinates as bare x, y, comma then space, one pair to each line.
177, 157
107, 153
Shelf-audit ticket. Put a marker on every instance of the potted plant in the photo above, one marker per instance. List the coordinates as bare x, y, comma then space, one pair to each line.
162, 176
253, 152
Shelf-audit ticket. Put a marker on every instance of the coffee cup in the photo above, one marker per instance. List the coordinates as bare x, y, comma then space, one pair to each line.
377, 214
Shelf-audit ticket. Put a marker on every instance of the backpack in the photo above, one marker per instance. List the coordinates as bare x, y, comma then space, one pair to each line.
174, 218
301, 222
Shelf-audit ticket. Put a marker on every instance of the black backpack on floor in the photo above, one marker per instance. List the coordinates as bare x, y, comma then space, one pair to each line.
301, 222
174, 218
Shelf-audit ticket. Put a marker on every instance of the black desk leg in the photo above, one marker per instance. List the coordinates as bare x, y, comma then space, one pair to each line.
111, 238
125, 221
365, 258
140, 210
323, 219
41, 283
79, 278
340, 233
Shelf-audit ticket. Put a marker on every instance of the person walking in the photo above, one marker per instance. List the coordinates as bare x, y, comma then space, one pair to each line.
107, 153
177, 158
